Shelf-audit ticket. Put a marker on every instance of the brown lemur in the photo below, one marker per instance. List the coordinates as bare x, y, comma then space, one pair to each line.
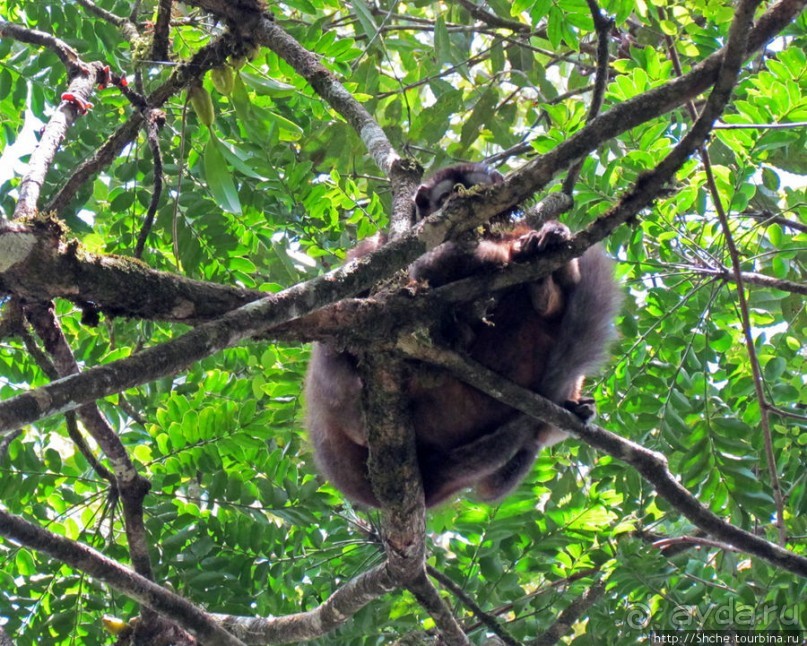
544, 335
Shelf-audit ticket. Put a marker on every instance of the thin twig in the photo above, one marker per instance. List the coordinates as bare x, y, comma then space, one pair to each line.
743, 307
785, 413
493, 20
159, 48
570, 615
450, 630
146, 592
751, 278
761, 126
66, 54
153, 120
666, 543
206, 58
753, 359
131, 485
603, 26
766, 218
127, 27
484, 617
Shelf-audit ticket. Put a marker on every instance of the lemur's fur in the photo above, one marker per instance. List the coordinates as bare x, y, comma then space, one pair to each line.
545, 336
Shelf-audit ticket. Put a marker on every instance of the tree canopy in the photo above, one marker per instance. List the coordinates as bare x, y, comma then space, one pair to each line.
179, 186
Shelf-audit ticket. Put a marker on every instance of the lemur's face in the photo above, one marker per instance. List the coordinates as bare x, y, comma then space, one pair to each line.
433, 193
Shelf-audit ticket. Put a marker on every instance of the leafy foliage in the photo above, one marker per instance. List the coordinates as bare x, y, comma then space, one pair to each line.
279, 187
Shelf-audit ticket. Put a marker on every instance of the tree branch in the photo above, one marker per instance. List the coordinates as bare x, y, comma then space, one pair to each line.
664, 544
396, 483
81, 87
159, 47
69, 56
208, 57
326, 85
450, 630
247, 321
766, 217
486, 618
333, 612
85, 559
751, 278
651, 465
570, 615
603, 26
127, 27
248, 18
47, 366
153, 120
38, 264
492, 19
130, 484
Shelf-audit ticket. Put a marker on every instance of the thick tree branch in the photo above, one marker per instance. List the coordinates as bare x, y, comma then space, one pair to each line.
101, 158
247, 321
42, 269
36, 263
648, 186
392, 464
395, 478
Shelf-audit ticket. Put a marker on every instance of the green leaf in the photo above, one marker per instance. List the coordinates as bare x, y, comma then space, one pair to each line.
219, 178
554, 29
442, 42
266, 85
366, 19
